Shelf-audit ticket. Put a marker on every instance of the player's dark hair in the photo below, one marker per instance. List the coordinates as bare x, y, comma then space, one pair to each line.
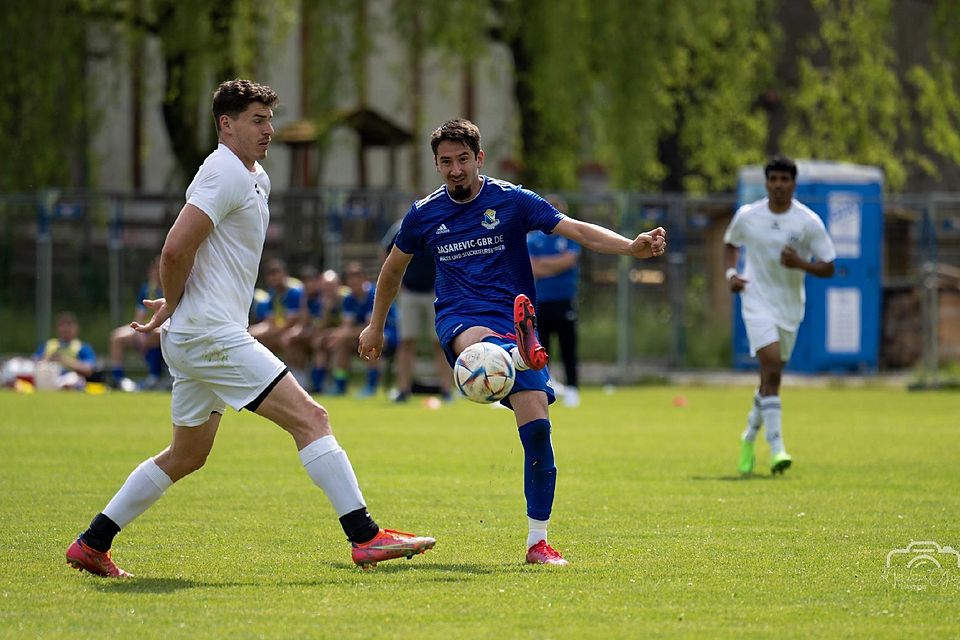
780, 163
458, 130
234, 96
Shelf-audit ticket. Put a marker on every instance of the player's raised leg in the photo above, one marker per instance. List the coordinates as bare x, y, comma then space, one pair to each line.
525, 321
289, 406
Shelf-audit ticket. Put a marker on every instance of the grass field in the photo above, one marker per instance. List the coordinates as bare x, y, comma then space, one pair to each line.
663, 539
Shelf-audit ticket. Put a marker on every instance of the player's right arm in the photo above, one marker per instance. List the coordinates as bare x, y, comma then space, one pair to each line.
731, 255
176, 260
388, 284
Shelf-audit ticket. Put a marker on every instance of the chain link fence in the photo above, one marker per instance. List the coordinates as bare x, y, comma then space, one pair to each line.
89, 252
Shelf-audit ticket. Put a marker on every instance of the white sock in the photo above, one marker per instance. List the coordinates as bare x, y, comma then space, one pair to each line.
518, 362
329, 468
754, 420
537, 531
143, 487
770, 407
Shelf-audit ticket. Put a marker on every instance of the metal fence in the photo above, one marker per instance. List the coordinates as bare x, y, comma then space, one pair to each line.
89, 252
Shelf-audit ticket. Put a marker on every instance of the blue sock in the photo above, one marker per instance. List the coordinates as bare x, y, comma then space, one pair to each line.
154, 359
373, 378
539, 470
318, 376
117, 373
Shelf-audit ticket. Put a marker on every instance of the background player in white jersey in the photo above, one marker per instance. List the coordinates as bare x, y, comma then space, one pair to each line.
475, 228
780, 236
208, 270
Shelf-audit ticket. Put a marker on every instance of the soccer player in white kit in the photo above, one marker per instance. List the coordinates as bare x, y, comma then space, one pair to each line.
780, 236
208, 270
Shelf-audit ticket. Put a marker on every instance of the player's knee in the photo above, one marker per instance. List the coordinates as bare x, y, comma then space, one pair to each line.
183, 463
315, 421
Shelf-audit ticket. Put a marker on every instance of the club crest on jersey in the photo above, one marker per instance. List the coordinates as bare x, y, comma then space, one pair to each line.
490, 219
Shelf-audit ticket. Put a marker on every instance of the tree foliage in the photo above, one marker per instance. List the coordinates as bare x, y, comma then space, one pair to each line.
849, 107
665, 94
43, 107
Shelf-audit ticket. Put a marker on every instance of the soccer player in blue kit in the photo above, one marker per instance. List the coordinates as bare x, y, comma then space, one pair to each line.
475, 227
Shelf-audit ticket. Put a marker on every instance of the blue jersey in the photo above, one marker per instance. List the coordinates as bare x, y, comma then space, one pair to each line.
562, 286
75, 348
281, 308
359, 308
480, 250
148, 292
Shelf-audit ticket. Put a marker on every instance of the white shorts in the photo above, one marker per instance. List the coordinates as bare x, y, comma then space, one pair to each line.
224, 367
416, 314
765, 331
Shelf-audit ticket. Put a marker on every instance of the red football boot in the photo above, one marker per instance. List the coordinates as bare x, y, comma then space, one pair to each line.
543, 553
525, 321
82, 557
389, 544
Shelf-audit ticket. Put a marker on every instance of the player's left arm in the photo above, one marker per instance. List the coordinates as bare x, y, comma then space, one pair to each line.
648, 244
821, 247
792, 260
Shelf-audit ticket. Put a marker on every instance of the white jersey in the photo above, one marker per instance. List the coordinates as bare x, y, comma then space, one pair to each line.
220, 287
772, 290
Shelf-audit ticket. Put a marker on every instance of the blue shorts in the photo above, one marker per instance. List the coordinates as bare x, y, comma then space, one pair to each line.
529, 380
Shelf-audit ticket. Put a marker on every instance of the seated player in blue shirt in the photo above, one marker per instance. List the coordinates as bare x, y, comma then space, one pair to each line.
357, 307
124, 338
279, 310
475, 227
323, 344
296, 340
76, 358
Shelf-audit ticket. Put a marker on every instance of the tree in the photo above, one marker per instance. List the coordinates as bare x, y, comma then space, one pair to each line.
43, 106
848, 104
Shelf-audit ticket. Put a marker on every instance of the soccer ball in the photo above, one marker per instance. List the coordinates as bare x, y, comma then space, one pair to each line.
484, 373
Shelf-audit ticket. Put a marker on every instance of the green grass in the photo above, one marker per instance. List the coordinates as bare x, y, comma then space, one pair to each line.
662, 538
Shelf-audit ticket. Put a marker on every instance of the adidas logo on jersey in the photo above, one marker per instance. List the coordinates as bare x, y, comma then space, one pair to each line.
442, 229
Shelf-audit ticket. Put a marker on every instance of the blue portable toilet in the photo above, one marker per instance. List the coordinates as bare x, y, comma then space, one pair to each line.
841, 327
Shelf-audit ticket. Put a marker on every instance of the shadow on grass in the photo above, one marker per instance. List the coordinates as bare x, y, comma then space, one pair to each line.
733, 478
446, 572
429, 572
150, 585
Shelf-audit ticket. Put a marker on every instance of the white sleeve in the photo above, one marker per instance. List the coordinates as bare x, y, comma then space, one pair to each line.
734, 233
820, 243
218, 191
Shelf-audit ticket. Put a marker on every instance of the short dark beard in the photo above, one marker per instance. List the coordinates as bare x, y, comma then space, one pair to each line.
460, 192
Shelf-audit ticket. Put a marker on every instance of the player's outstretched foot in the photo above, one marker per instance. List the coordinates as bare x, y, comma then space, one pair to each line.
83, 558
780, 463
747, 458
525, 322
389, 544
543, 553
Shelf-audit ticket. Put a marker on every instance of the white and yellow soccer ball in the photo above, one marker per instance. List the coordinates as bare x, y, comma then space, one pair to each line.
484, 373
